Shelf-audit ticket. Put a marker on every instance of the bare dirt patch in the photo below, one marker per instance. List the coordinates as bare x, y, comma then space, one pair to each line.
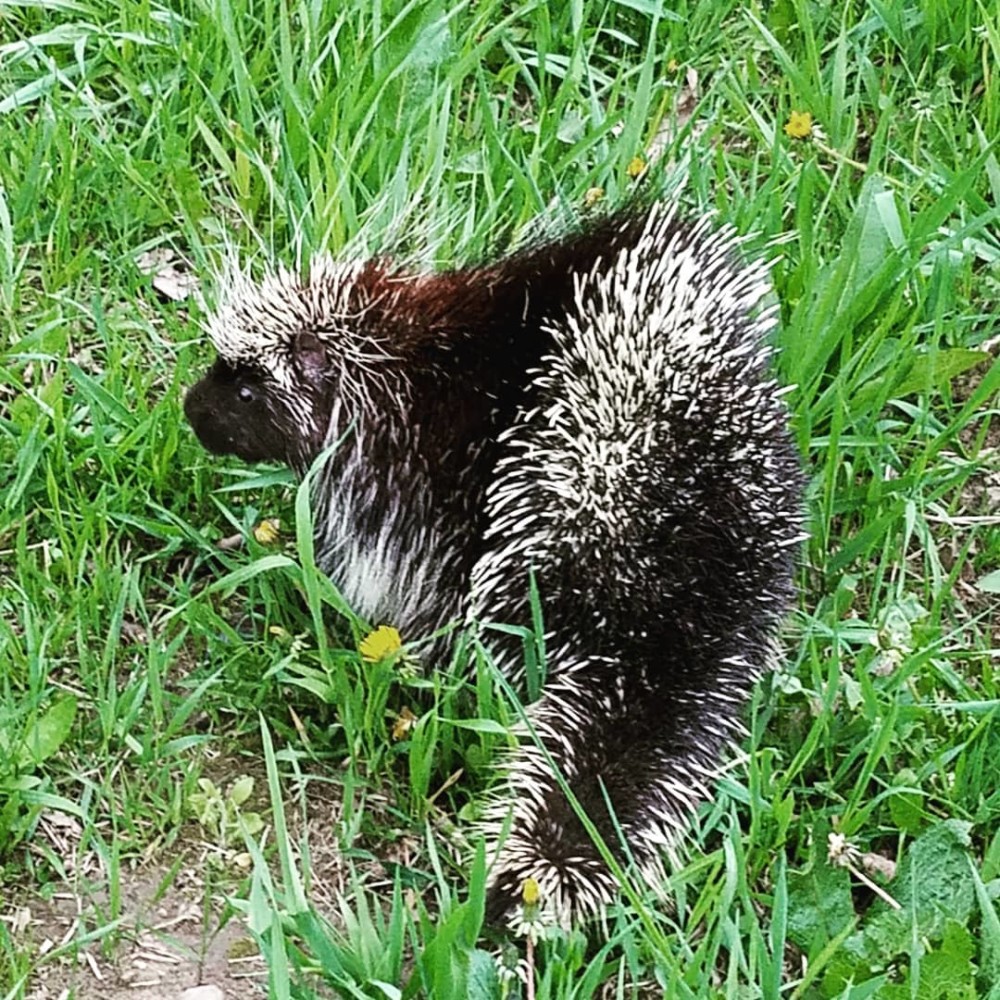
170, 928
169, 935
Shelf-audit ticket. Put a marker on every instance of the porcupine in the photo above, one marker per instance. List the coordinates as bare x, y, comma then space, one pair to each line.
596, 410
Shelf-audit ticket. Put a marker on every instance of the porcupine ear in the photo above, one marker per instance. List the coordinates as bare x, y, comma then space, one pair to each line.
310, 355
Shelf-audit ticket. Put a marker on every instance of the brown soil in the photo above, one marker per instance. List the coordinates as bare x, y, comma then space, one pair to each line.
167, 934
166, 939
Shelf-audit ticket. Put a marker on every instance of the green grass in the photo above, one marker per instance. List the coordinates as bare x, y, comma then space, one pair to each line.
134, 655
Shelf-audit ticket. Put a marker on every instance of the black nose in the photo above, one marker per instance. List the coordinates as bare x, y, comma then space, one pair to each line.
208, 426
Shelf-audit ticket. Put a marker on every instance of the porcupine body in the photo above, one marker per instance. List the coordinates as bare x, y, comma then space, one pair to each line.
596, 411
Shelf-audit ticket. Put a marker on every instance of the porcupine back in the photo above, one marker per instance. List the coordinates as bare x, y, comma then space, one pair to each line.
651, 487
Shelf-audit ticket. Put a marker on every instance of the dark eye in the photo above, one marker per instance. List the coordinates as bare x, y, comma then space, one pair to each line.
245, 394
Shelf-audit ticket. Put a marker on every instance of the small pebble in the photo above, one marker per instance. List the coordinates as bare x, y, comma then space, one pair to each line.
203, 993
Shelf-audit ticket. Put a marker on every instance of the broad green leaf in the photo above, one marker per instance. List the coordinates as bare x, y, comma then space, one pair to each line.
241, 790
47, 733
937, 369
483, 982
490, 726
819, 899
933, 886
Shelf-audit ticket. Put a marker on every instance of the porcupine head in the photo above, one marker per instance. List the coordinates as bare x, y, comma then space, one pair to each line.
287, 348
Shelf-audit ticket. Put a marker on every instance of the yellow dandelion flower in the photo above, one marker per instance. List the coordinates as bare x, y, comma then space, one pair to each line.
268, 531
531, 892
405, 721
799, 125
593, 196
380, 644
636, 167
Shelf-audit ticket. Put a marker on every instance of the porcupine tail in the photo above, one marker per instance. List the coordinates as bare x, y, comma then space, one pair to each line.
650, 486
